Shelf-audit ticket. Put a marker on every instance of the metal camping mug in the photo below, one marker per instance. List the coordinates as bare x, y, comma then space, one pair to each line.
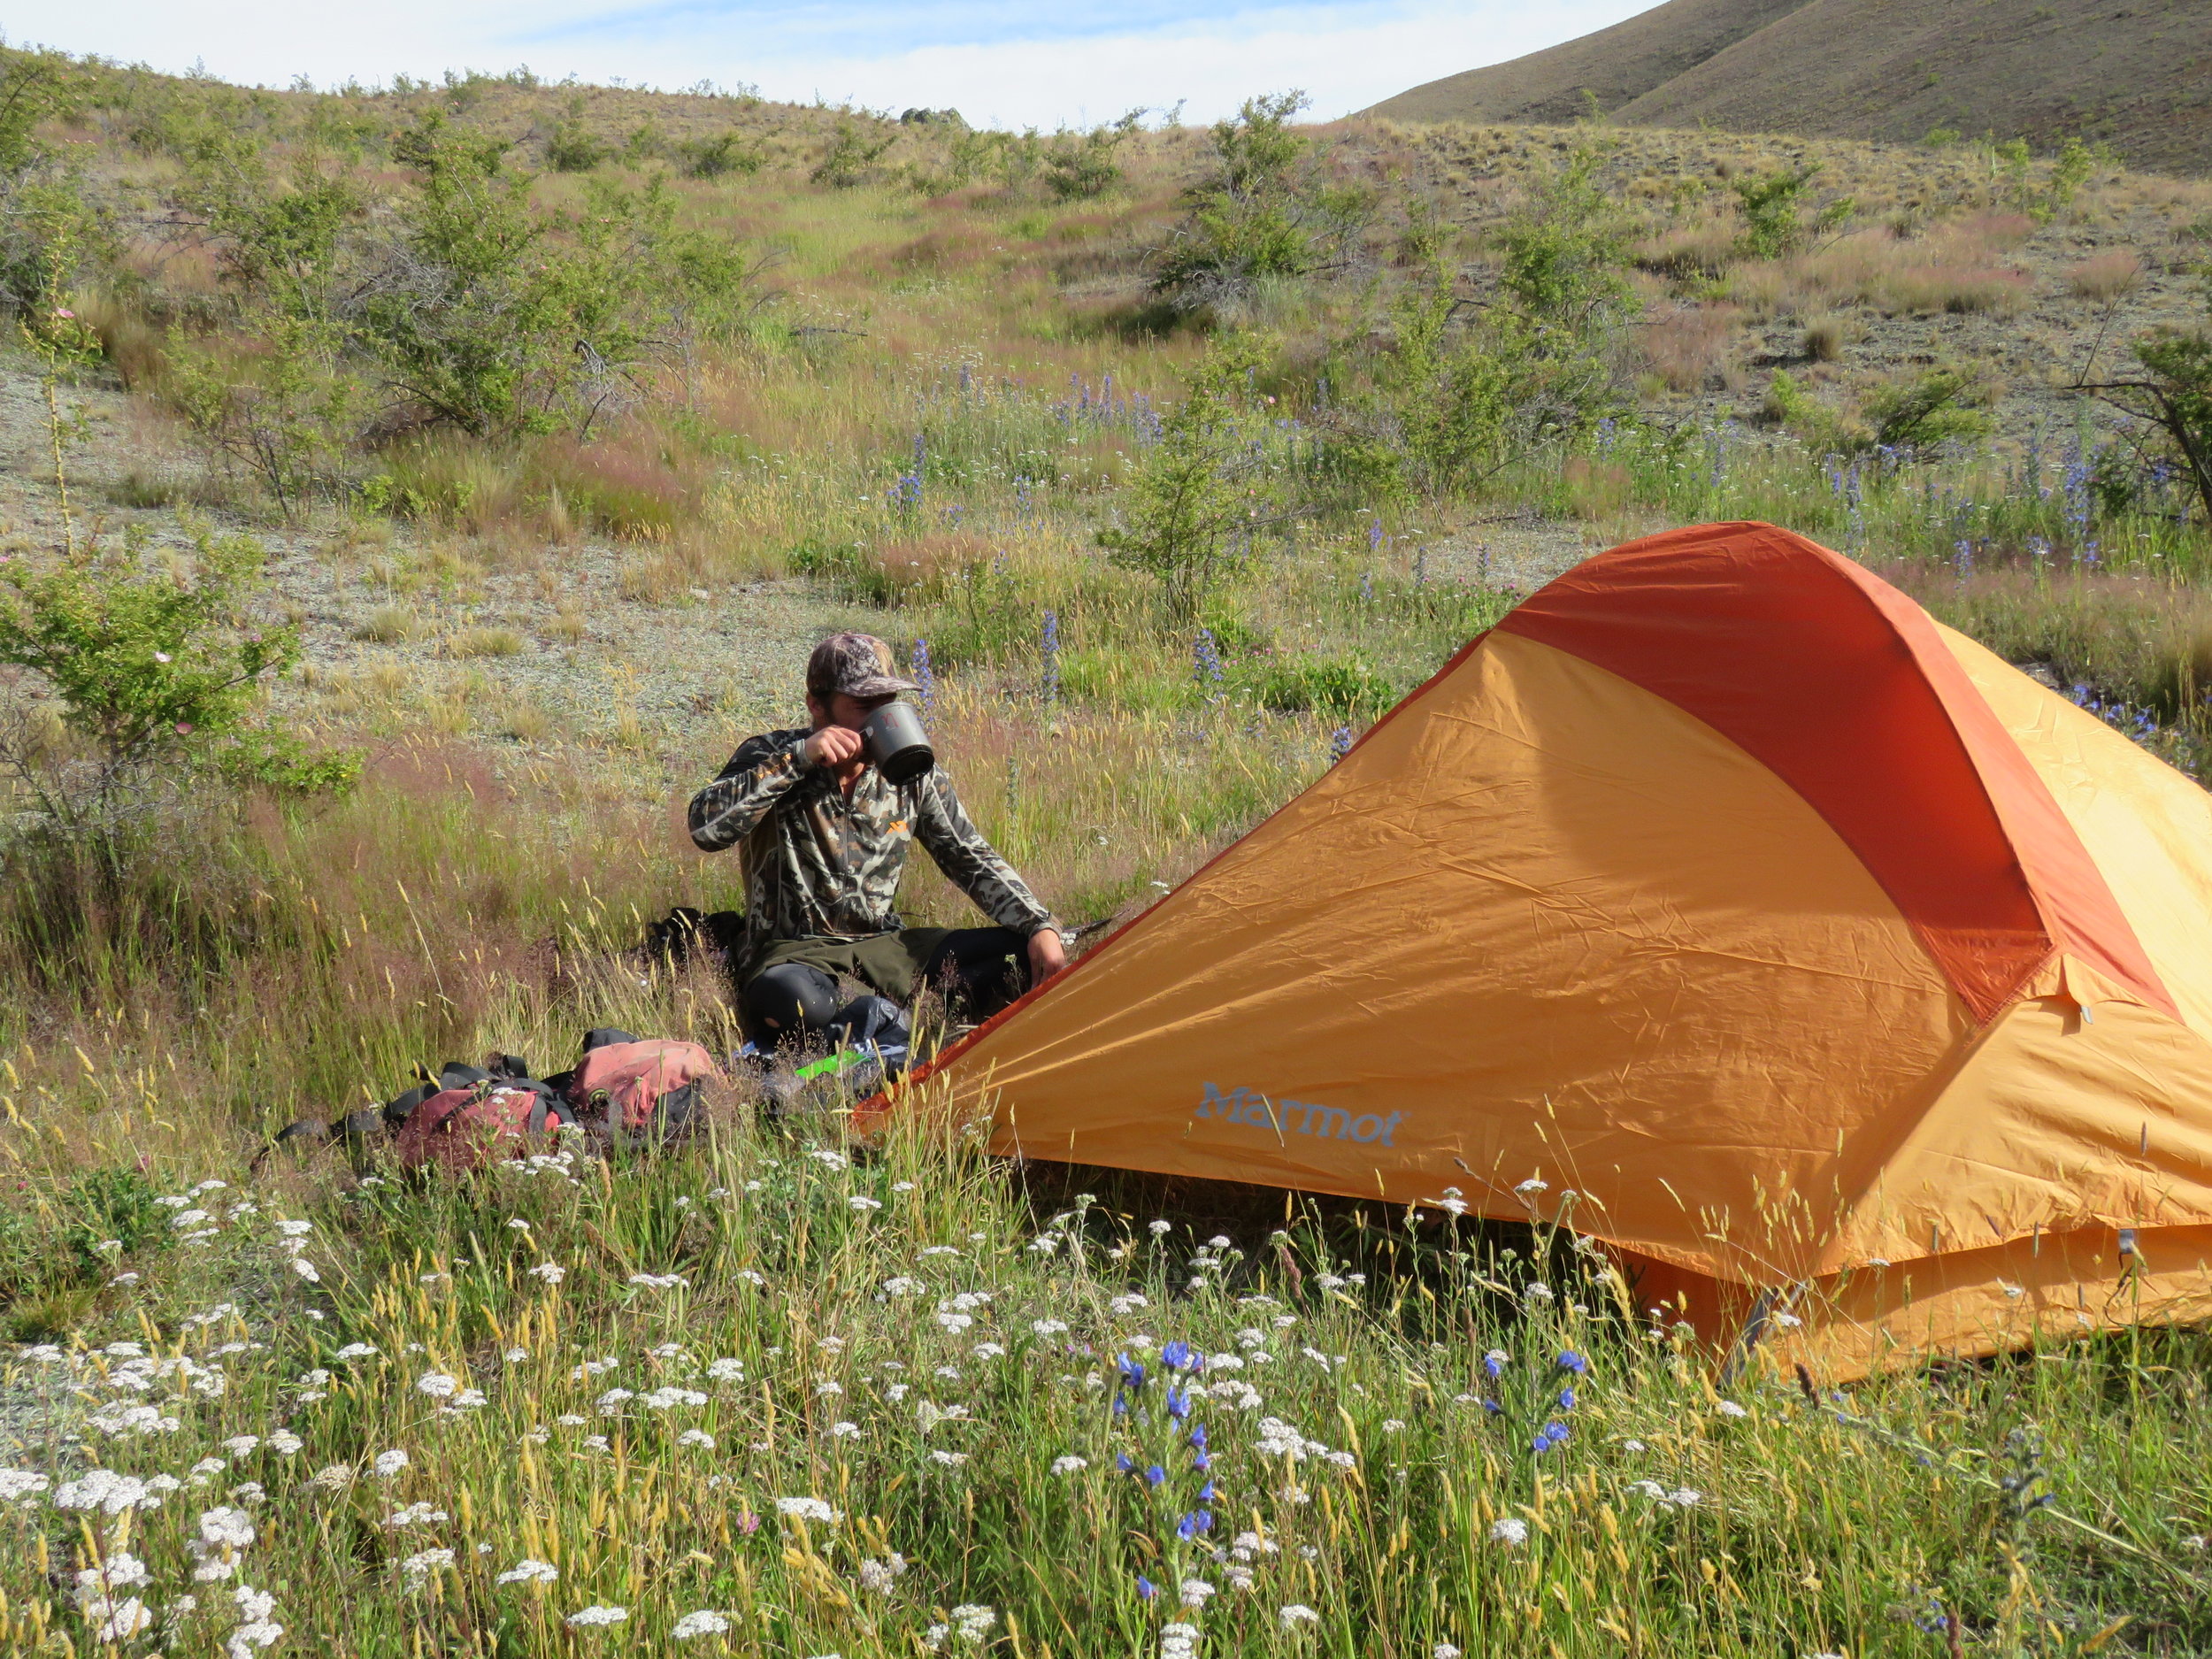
895, 744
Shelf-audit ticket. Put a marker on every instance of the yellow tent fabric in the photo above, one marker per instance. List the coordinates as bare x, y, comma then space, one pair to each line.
1833, 964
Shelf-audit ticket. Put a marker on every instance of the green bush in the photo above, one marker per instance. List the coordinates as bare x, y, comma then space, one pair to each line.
144, 666
848, 155
1343, 690
724, 153
1773, 211
1081, 165
1200, 493
1926, 411
1258, 217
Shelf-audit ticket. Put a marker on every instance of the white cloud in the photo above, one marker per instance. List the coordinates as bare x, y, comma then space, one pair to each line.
1347, 56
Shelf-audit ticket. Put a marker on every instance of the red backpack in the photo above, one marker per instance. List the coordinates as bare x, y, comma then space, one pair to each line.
469, 1127
639, 1092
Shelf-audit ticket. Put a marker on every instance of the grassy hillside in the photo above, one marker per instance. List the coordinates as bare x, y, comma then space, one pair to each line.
537, 432
2134, 76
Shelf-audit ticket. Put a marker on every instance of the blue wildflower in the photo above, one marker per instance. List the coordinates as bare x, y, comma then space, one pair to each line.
1201, 1461
1198, 1435
925, 677
1574, 1362
1494, 1364
1177, 1403
1124, 1463
1179, 1356
1155, 1476
1132, 1371
1208, 1493
1566, 1399
1145, 1588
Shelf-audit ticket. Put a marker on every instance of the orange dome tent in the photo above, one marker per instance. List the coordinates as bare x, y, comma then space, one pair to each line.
1833, 963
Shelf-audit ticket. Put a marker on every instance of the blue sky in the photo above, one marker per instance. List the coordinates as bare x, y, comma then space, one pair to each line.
996, 61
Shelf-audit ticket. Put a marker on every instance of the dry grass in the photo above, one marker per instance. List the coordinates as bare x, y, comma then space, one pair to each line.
1825, 338
2110, 275
486, 642
388, 624
1685, 344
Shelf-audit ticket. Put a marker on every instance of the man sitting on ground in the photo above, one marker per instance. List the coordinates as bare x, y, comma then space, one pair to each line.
823, 838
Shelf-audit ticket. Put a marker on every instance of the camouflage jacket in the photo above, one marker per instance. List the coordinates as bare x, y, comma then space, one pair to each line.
819, 865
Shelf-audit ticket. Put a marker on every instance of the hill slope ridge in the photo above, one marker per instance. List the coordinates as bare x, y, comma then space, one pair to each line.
2137, 73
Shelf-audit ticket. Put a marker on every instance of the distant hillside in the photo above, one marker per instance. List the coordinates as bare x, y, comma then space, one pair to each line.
2137, 73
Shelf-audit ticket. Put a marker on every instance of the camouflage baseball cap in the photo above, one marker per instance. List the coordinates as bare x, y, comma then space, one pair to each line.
858, 664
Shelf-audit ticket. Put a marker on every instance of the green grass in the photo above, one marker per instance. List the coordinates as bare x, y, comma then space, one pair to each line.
916, 1340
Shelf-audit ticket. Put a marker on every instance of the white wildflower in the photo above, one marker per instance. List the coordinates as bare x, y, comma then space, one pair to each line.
529, 1571
1510, 1531
414, 1515
1070, 1465
1729, 1409
971, 1622
549, 1273
705, 1621
420, 1569
118, 1621
881, 1576
109, 1493
806, 1509
587, 1617
333, 1476
357, 1350
437, 1385
1298, 1613
1195, 1591
863, 1203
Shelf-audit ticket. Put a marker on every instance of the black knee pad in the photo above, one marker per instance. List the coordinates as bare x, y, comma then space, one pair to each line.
980, 970
791, 997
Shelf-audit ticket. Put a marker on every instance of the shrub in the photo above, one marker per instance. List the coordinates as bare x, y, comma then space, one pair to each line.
144, 666
723, 154
572, 147
1257, 217
51, 234
1926, 409
1343, 690
1773, 211
848, 155
1081, 165
1201, 491
286, 415
2169, 399
1454, 402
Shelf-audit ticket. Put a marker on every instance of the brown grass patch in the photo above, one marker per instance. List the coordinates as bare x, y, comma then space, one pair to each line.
2106, 276
929, 561
1684, 344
